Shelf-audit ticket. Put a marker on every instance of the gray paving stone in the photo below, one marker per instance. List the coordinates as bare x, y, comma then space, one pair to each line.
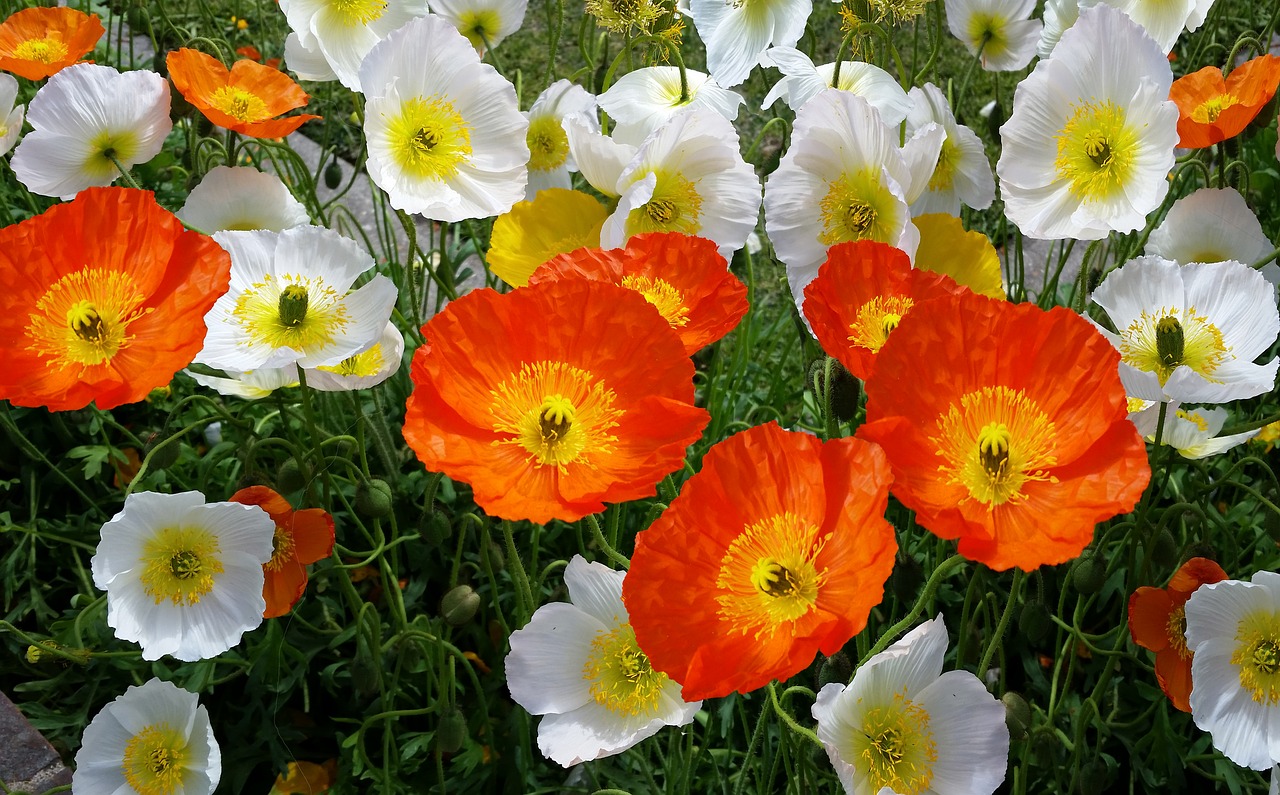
28, 762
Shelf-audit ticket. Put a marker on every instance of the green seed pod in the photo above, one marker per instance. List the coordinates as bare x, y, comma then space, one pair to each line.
837, 668
291, 477
496, 557
436, 528
374, 499
1090, 573
366, 673
844, 388
1034, 621
1017, 715
332, 175
451, 732
1164, 550
459, 605
1094, 777
1045, 745
164, 457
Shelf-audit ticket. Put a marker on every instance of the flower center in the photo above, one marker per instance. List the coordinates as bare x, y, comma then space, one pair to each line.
305, 314
674, 207
123, 145
1257, 654
83, 318
239, 104
282, 547
876, 319
857, 207
990, 33
479, 25
548, 144
179, 564
1209, 110
358, 12
622, 680
896, 747
359, 365
50, 49
429, 138
664, 296
1163, 341
1177, 632
768, 577
994, 442
1096, 151
944, 174
558, 413
154, 760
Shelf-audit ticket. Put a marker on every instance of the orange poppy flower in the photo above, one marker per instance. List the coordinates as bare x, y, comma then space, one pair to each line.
861, 294
684, 277
553, 399
38, 42
1006, 427
1158, 621
1211, 109
301, 537
776, 550
247, 98
102, 299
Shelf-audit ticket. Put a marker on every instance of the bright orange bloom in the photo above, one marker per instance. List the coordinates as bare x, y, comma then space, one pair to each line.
245, 99
38, 42
301, 537
1158, 621
1211, 109
102, 299
1006, 427
684, 277
777, 549
553, 399
861, 294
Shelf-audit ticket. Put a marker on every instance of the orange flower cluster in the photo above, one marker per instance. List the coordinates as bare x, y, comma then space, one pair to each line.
247, 98
38, 42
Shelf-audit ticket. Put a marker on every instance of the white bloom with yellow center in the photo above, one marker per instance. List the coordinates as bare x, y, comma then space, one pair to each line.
643, 100
484, 23
362, 370
1088, 147
241, 198
803, 81
999, 33
288, 302
1210, 225
1190, 333
155, 739
1192, 432
83, 118
1058, 16
962, 173
1233, 631
738, 32
689, 177
446, 137
182, 577
342, 32
1163, 20
251, 385
11, 115
550, 157
578, 663
904, 726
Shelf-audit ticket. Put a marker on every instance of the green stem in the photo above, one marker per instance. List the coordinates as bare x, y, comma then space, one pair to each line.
612, 554
790, 721
935, 580
1014, 590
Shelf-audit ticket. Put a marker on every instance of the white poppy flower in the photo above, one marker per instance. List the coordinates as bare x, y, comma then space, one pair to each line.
737, 34
803, 81
10, 114
643, 100
1190, 333
600, 158
252, 385
155, 738
1163, 21
902, 725
1233, 633
241, 198
550, 156
482, 21
446, 138
1058, 16
288, 301
999, 33
963, 173
1210, 225
343, 32
578, 664
362, 370
182, 577
1192, 432
85, 115
308, 63
688, 176
1088, 147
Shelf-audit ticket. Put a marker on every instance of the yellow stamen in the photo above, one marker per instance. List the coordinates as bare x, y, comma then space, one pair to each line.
896, 747
50, 49
660, 293
768, 577
876, 319
622, 680
429, 138
857, 207
1257, 655
154, 760
353, 13
83, 319
1162, 341
1176, 629
674, 207
1209, 111
305, 314
1097, 151
179, 564
558, 413
239, 104
548, 144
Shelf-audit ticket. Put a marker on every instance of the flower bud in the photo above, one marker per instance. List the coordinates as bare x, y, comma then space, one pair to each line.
1017, 715
374, 499
459, 605
1089, 573
451, 731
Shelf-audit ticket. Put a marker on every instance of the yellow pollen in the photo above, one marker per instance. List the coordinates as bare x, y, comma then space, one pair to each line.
479, 25
1097, 151
896, 747
990, 32
664, 296
1162, 341
876, 319
1257, 655
548, 144
281, 549
83, 319
994, 442
944, 173
359, 365
429, 138
179, 564
559, 414
50, 49
857, 207
622, 680
303, 313
769, 577
353, 13
1195, 419
674, 207
239, 104
1209, 110
1177, 632
154, 760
